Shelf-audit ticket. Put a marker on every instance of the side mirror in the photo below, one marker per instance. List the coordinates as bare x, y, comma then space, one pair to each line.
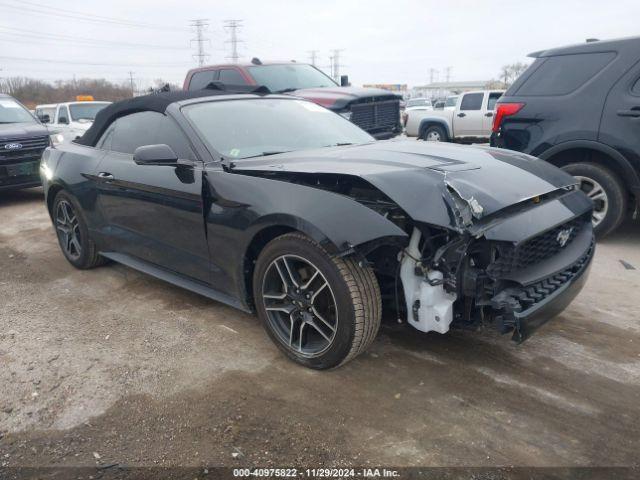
344, 81
155, 155
64, 120
45, 118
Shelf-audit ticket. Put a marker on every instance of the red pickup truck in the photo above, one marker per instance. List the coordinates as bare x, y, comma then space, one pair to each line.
375, 110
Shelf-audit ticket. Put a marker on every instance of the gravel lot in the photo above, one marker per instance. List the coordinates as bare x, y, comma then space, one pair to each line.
111, 366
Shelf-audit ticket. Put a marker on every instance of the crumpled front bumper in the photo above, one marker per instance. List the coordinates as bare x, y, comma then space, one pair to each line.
524, 309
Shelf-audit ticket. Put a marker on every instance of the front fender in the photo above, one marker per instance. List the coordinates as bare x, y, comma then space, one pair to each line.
630, 178
435, 120
240, 206
336, 221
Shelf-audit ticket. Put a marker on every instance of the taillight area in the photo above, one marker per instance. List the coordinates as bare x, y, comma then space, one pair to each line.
504, 110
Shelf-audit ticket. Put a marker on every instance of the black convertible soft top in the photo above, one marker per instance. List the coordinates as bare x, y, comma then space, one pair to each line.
156, 102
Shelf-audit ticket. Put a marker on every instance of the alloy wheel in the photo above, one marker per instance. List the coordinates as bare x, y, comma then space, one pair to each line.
598, 196
300, 305
68, 230
433, 136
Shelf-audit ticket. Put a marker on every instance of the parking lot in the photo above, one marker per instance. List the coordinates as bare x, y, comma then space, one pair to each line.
111, 366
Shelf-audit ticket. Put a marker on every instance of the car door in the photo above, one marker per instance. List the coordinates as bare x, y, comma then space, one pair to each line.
467, 121
620, 124
489, 108
153, 212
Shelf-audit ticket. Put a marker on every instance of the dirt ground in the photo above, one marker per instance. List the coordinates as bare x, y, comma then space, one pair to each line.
111, 366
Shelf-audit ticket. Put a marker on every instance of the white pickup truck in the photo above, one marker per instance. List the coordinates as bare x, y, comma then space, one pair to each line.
70, 119
470, 121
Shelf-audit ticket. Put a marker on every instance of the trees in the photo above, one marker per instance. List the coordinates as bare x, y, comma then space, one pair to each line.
31, 91
509, 73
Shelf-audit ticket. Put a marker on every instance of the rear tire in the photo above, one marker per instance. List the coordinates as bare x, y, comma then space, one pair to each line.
73, 235
289, 293
607, 192
434, 133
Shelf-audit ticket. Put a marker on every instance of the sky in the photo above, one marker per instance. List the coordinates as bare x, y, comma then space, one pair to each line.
395, 41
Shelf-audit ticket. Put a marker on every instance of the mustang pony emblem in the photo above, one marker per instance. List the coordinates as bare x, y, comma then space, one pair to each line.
13, 146
563, 236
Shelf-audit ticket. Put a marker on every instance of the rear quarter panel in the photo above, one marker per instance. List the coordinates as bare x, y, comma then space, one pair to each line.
73, 167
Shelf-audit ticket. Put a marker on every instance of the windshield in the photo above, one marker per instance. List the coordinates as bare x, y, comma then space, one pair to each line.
85, 111
250, 128
290, 77
451, 101
418, 102
12, 112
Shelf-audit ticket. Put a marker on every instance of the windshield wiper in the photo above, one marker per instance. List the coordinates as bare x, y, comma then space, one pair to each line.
286, 90
339, 144
266, 154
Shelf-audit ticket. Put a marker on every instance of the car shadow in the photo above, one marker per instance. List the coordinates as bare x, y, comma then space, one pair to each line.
17, 197
629, 231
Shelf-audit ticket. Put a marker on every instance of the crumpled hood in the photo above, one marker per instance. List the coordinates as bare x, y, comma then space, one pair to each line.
429, 181
22, 130
337, 98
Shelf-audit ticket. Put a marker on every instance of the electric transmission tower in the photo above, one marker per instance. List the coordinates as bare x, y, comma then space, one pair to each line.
200, 25
335, 63
448, 70
313, 56
233, 26
433, 74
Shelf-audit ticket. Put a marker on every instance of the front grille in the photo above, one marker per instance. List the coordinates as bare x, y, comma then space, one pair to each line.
376, 116
539, 248
524, 298
30, 151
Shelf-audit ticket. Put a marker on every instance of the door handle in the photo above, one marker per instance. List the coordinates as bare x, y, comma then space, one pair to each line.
634, 113
462, 115
488, 114
105, 176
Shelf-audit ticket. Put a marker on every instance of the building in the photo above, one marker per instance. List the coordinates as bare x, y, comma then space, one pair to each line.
442, 89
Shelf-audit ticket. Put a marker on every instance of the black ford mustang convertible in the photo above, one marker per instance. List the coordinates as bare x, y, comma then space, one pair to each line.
275, 205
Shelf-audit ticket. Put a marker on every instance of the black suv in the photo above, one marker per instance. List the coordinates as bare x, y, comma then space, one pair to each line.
22, 140
578, 107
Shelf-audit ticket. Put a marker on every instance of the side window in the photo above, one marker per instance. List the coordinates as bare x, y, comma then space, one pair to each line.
51, 112
63, 112
199, 80
168, 132
493, 98
148, 128
562, 74
134, 131
105, 141
635, 90
232, 77
472, 101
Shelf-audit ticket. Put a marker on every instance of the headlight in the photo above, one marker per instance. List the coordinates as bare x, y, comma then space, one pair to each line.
46, 171
346, 115
57, 139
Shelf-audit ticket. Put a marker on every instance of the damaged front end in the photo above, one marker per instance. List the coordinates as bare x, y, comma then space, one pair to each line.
494, 271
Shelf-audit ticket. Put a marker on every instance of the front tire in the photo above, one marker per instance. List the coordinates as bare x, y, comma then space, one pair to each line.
434, 133
607, 193
321, 311
73, 235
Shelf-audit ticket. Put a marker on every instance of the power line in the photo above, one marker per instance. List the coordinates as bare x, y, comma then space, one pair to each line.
17, 32
233, 26
200, 24
48, 60
58, 12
